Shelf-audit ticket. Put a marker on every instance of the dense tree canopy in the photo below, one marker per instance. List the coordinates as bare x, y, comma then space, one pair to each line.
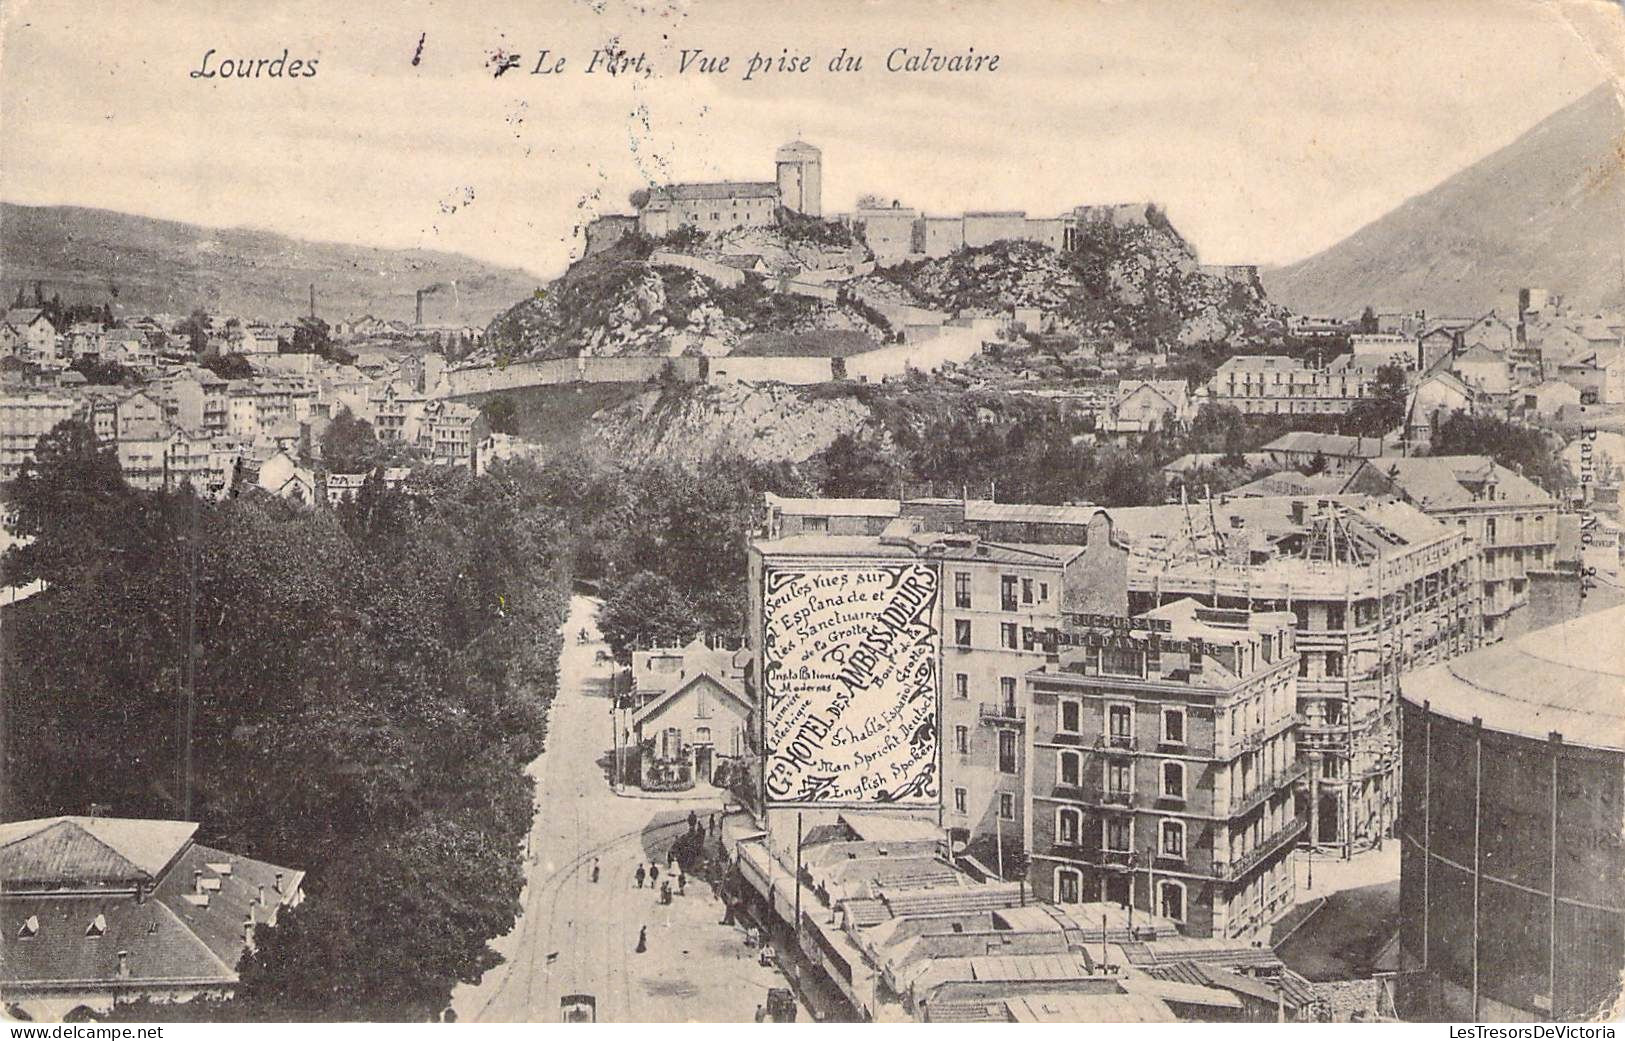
369, 685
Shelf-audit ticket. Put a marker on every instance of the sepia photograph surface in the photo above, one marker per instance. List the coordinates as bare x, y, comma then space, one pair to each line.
905, 511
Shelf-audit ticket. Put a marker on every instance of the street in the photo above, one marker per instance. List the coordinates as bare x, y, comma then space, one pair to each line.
577, 936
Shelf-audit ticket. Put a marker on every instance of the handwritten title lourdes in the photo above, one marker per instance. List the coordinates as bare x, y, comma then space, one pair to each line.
850, 677
757, 66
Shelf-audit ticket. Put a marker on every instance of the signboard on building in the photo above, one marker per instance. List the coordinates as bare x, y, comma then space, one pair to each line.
850, 683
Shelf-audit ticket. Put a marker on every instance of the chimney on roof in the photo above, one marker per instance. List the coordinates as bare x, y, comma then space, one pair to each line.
279, 881
248, 930
123, 965
260, 899
197, 880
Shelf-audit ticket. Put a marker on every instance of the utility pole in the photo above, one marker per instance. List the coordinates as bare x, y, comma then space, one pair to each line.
796, 930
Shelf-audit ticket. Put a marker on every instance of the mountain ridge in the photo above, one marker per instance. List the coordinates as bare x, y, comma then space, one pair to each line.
1546, 210
161, 265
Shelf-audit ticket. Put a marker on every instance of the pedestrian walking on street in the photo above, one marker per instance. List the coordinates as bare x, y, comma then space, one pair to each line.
654, 874
643, 940
693, 821
640, 876
595, 870
682, 883
713, 825
665, 891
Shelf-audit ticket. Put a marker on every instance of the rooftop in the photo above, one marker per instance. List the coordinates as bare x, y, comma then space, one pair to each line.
1563, 679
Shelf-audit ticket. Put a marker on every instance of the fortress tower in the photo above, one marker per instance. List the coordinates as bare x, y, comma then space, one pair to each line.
800, 177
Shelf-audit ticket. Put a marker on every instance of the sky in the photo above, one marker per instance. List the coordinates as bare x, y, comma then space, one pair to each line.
1267, 129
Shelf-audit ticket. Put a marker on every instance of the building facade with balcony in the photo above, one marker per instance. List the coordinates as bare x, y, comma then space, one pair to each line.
1378, 588
1164, 766
1512, 520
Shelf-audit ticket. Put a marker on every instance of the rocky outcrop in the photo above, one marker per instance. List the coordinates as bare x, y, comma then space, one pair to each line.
617, 302
766, 422
1134, 279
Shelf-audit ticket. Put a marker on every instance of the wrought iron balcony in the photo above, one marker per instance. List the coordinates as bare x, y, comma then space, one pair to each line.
1002, 713
1117, 742
1263, 789
1235, 869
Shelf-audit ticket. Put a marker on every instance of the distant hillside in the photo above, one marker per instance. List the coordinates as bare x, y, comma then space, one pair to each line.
167, 266
1548, 210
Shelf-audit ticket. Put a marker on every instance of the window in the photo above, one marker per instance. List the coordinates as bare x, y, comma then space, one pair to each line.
1068, 885
1171, 899
1007, 635
1303, 666
1334, 663
702, 705
962, 740
1026, 590
1068, 826
29, 929
1118, 777
1007, 693
1173, 726
1007, 751
961, 685
1121, 722
1007, 592
1071, 717
815, 524
97, 926
671, 743
1173, 780
1071, 768
959, 800
1007, 806
1119, 834
1115, 661
1043, 592
962, 590
1334, 616
702, 735
1173, 839
962, 632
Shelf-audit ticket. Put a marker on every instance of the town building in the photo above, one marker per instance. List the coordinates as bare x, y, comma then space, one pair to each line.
1279, 385
105, 911
1512, 868
1511, 520
1164, 766
1435, 398
688, 721
26, 333
24, 419
449, 430
1378, 588
1332, 453
1141, 406
902, 934
990, 593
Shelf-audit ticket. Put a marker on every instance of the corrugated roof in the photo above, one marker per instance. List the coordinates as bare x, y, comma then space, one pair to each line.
864, 913
1560, 679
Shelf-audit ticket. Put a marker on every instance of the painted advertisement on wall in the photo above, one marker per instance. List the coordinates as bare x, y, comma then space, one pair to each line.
850, 684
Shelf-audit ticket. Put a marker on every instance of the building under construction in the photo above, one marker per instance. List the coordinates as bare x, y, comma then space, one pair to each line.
1377, 588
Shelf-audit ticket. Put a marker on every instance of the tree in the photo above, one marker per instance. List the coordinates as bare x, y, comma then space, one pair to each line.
856, 468
1384, 411
646, 611
501, 414
227, 366
1525, 449
67, 503
196, 328
348, 444
1368, 320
